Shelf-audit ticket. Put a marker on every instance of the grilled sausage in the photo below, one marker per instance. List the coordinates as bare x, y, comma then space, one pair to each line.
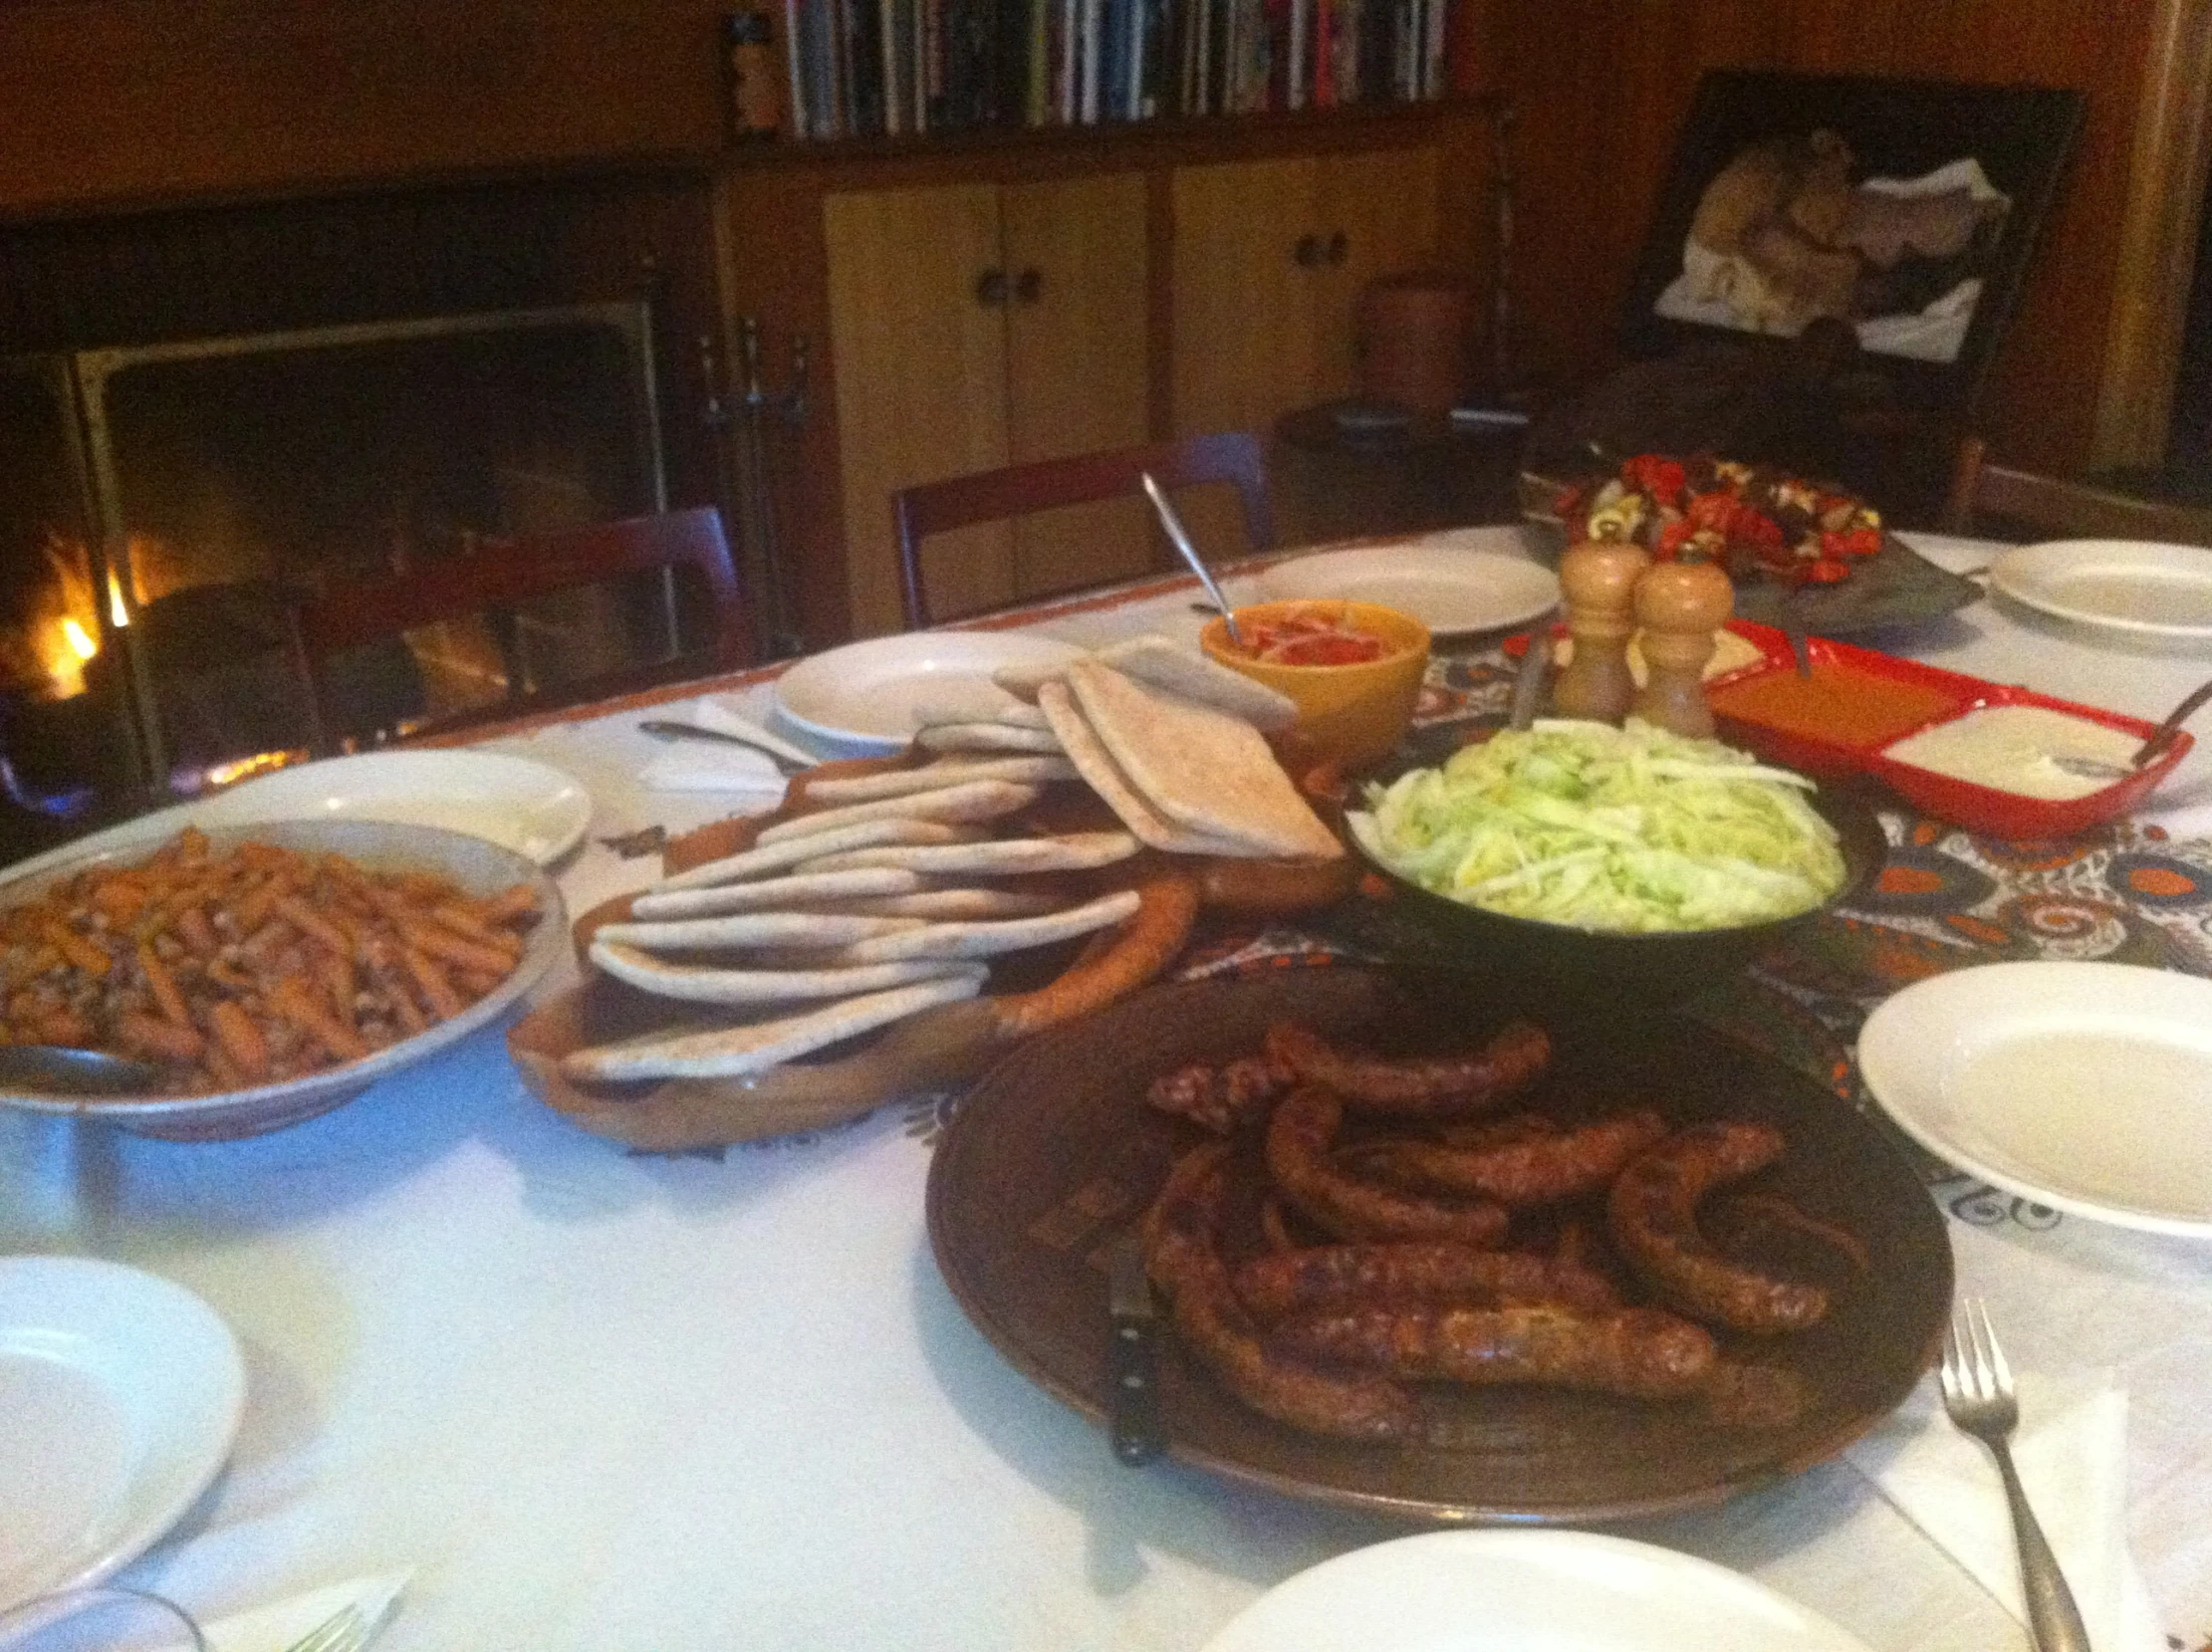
1347, 1275
1299, 1134
1435, 1086
1181, 1256
1539, 1170
1218, 1098
1652, 1216
1641, 1352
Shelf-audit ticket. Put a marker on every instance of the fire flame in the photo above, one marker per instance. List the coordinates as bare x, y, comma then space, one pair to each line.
79, 643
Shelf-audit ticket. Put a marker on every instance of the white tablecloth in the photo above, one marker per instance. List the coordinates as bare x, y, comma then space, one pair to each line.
635, 1405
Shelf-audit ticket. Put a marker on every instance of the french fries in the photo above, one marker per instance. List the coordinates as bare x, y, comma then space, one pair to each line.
250, 967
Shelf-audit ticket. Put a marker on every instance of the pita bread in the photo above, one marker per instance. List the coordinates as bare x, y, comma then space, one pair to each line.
978, 800
700, 985
1104, 776
986, 736
758, 862
984, 940
1168, 666
936, 777
1001, 857
932, 712
945, 904
773, 894
727, 1052
1191, 675
1202, 769
811, 929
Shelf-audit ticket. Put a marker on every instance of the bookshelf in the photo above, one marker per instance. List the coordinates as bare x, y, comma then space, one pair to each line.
887, 68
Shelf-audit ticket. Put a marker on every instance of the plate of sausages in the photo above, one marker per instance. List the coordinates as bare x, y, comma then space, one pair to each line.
1417, 1255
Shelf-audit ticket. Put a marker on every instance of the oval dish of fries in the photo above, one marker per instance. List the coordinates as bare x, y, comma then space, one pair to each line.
269, 972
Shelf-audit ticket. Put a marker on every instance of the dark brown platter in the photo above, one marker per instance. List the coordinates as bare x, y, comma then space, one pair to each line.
1055, 1155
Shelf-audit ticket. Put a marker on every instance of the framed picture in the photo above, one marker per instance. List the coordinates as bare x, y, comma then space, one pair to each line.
1907, 209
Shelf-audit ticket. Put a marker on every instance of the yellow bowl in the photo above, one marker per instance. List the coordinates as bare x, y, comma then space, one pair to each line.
1352, 714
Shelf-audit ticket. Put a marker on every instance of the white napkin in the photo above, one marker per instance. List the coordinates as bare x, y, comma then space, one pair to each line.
712, 713
704, 766
2072, 1451
274, 1627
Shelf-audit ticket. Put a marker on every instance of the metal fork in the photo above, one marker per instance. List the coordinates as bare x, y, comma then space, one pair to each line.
347, 1629
1978, 1395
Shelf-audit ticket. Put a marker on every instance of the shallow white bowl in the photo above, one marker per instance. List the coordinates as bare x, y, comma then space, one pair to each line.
1516, 1592
2137, 588
865, 699
121, 1394
1454, 587
2084, 1086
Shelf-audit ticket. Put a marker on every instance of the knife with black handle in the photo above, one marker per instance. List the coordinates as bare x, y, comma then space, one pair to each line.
1132, 1371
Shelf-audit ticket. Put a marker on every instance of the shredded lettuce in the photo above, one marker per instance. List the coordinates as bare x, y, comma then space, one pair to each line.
1626, 829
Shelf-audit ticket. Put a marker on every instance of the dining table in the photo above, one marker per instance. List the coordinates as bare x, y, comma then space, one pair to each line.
603, 1401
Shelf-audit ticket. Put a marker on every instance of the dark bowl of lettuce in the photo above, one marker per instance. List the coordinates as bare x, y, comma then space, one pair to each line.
1580, 865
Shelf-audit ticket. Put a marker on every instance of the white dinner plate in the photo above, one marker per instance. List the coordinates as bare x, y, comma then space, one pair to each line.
863, 700
2131, 586
1510, 1592
119, 1398
2083, 1086
1449, 582
521, 805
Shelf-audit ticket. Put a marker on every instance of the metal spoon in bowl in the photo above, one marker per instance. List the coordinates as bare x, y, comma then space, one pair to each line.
2090, 767
64, 1069
1180, 535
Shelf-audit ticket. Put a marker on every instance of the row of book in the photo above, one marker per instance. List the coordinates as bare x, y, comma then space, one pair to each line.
888, 68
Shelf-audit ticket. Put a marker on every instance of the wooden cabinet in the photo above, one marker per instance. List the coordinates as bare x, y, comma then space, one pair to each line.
1270, 260
1167, 299
974, 326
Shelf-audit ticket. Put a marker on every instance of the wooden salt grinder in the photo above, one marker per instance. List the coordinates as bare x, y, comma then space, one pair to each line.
1598, 579
1680, 605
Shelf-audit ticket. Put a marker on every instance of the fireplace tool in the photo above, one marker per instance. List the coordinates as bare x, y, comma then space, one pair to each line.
757, 409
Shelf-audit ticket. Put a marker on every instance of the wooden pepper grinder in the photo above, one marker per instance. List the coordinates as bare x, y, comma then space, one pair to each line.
1598, 579
1680, 605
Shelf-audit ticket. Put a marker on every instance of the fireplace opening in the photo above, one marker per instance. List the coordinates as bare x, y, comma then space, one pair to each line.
162, 505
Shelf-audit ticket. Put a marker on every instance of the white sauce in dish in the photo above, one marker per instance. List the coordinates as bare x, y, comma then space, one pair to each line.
2012, 749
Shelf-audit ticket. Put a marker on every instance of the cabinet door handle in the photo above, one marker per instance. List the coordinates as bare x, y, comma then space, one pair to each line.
1339, 245
990, 289
1029, 286
1307, 255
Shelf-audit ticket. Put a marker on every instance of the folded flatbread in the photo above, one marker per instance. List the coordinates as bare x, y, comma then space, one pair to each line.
1104, 777
946, 904
932, 712
1077, 851
1165, 664
985, 737
739, 929
759, 863
702, 984
936, 777
975, 799
773, 894
728, 1052
1203, 769
984, 940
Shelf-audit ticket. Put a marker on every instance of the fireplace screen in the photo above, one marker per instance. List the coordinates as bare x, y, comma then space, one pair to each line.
160, 506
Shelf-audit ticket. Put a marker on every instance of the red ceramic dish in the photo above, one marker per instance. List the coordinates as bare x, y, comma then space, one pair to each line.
1859, 702
1862, 702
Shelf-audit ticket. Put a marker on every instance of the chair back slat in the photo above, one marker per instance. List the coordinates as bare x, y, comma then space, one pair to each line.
1987, 495
1233, 457
501, 573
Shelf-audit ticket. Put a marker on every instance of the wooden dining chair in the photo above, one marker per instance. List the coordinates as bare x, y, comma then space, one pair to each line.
1232, 457
503, 575
1986, 497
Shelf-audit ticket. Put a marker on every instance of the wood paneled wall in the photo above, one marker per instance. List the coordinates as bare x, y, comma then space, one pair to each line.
126, 101
1601, 87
